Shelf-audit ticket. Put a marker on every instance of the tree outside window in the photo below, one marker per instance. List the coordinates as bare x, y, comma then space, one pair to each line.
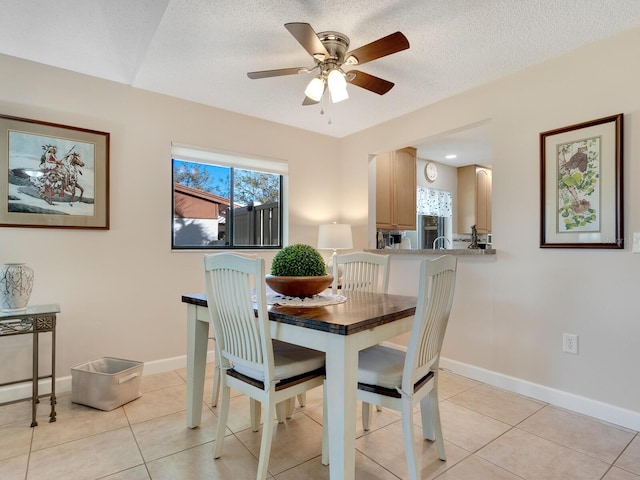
222, 207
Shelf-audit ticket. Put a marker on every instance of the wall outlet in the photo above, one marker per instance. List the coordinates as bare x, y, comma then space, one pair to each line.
570, 343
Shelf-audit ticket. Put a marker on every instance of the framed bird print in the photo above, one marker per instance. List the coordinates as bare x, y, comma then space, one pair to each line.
581, 185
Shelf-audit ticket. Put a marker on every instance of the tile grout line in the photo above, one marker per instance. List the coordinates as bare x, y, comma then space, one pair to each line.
613, 464
135, 439
571, 447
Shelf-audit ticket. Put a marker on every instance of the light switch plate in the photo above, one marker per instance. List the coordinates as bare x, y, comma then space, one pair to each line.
636, 243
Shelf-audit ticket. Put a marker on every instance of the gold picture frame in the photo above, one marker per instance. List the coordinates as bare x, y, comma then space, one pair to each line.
53, 176
581, 185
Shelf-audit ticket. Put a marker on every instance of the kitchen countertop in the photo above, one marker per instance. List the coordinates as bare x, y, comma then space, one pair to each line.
448, 251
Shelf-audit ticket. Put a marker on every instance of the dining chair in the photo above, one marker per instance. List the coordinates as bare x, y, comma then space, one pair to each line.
216, 371
282, 413
361, 272
401, 378
269, 371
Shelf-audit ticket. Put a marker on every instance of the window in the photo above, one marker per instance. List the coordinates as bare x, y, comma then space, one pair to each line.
223, 201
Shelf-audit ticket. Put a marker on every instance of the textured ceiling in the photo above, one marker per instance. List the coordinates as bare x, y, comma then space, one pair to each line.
201, 50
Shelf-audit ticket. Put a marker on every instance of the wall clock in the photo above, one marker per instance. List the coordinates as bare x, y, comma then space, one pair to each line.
430, 171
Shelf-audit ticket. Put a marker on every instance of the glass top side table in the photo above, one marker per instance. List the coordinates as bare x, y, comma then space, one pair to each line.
34, 320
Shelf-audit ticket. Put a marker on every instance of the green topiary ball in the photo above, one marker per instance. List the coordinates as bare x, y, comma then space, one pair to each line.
298, 260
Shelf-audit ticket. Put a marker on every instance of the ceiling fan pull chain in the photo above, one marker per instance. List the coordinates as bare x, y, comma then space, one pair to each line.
328, 108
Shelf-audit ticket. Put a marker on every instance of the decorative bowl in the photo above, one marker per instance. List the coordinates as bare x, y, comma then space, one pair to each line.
298, 286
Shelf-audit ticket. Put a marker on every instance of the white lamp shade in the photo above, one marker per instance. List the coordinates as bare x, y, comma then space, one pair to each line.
337, 86
315, 89
336, 80
335, 236
339, 95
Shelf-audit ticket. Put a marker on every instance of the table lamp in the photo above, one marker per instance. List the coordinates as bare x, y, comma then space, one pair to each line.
334, 236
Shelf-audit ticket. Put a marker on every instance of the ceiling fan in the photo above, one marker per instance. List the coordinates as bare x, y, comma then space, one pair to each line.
330, 51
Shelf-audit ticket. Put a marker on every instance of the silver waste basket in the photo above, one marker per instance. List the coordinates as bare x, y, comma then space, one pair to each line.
106, 383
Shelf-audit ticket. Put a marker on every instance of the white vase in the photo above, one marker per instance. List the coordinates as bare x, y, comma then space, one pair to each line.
16, 283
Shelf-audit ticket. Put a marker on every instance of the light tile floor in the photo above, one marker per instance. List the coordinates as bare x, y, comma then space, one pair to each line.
489, 434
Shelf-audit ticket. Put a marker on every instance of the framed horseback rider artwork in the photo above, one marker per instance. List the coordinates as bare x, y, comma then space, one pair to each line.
53, 175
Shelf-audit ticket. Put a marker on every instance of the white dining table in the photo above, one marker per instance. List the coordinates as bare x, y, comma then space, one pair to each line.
340, 330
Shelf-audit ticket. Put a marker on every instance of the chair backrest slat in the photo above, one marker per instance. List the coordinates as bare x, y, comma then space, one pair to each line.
435, 297
361, 272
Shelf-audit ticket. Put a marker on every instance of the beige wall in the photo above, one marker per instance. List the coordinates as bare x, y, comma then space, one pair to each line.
509, 315
120, 289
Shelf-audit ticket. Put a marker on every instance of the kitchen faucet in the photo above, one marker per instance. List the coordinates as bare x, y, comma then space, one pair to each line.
443, 238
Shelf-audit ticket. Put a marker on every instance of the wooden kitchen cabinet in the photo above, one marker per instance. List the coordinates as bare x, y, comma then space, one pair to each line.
474, 199
396, 190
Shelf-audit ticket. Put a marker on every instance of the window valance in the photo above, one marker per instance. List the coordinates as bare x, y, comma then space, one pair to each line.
434, 202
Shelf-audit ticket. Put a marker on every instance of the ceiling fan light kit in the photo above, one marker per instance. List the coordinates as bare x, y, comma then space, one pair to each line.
329, 51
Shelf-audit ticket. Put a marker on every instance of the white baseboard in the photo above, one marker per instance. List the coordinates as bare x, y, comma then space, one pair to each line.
576, 403
12, 393
593, 408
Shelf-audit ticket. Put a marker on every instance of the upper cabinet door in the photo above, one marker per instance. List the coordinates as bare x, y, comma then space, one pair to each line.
483, 200
396, 190
474, 199
384, 187
404, 208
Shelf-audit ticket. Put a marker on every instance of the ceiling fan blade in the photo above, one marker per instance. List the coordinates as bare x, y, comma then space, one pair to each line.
369, 82
396, 42
308, 38
277, 72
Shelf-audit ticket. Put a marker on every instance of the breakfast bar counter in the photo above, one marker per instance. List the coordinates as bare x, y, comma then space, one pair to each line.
448, 251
